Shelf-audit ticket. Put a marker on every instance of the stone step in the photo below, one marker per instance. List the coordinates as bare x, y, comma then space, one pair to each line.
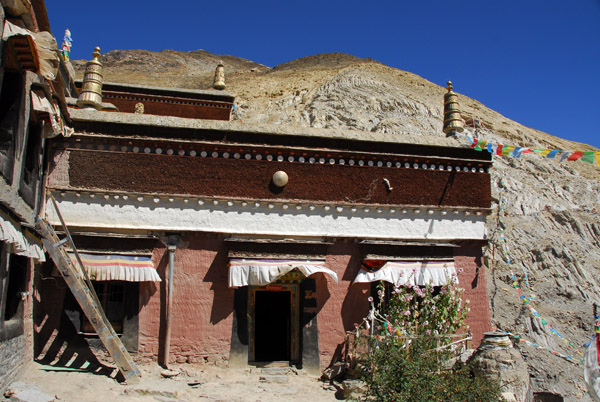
274, 379
275, 370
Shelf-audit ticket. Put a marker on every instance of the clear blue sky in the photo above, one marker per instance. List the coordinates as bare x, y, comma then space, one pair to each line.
534, 61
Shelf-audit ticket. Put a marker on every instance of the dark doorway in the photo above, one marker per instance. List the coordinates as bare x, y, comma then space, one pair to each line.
272, 326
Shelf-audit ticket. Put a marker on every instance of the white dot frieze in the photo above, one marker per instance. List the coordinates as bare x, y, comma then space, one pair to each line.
291, 158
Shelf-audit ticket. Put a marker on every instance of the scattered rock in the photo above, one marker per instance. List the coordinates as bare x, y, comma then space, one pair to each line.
496, 358
276, 379
23, 392
353, 388
170, 373
336, 370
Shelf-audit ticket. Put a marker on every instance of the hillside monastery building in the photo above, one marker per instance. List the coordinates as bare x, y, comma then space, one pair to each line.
210, 240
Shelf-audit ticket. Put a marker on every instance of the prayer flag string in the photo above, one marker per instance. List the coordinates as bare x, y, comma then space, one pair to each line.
526, 300
591, 157
554, 352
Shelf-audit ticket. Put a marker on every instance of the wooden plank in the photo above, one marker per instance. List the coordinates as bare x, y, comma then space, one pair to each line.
85, 296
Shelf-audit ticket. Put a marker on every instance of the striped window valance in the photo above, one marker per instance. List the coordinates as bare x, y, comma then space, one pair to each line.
408, 273
244, 272
116, 267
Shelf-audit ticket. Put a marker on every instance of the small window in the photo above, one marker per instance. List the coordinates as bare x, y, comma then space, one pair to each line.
10, 109
388, 289
32, 150
15, 286
112, 299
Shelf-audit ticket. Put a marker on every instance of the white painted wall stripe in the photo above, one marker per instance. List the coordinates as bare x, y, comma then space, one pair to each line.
266, 218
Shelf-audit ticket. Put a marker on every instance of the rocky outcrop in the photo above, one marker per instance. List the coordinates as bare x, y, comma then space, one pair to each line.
552, 223
504, 364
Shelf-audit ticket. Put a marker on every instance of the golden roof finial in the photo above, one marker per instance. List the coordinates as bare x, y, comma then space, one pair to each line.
452, 120
91, 89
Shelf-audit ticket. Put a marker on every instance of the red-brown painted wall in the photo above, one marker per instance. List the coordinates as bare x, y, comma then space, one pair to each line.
340, 304
203, 304
203, 310
472, 279
239, 178
169, 106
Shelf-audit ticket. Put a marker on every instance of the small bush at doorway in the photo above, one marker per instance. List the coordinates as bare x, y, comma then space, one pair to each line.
409, 344
394, 375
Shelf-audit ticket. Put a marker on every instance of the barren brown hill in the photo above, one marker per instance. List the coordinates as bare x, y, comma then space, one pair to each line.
553, 226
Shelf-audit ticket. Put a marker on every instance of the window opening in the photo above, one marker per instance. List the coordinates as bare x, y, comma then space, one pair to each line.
17, 277
10, 102
32, 150
388, 288
112, 299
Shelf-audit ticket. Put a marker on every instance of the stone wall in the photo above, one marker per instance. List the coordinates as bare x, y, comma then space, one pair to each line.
12, 355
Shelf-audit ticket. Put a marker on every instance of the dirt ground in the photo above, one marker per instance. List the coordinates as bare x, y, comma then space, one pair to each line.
193, 383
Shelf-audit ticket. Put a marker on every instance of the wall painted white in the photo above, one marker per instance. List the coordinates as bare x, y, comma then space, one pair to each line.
144, 212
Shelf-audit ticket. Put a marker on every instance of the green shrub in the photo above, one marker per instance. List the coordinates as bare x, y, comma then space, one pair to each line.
394, 375
406, 353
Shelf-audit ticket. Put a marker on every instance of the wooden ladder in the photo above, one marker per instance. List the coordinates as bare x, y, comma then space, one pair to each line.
78, 281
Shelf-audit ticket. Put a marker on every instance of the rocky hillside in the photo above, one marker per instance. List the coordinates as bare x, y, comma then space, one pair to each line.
552, 225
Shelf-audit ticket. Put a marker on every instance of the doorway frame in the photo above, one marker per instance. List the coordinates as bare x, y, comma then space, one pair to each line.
294, 289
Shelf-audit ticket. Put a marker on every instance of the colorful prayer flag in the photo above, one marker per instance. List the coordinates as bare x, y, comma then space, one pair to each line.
588, 157
575, 156
481, 145
507, 149
543, 152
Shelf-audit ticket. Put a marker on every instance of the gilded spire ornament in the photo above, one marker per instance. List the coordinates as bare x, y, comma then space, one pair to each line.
453, 122
219, 82
91, 90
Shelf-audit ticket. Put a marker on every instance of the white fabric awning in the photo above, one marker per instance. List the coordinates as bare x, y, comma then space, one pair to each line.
244, 272
21, 242
114, 267
410, 273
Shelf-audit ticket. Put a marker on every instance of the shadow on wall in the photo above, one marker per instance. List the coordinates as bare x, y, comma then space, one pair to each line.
217, 274
56, 340
355, 306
